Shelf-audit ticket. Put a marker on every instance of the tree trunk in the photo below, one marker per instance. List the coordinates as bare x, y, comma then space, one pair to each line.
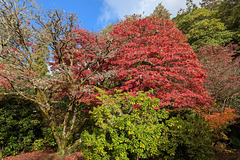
62, 148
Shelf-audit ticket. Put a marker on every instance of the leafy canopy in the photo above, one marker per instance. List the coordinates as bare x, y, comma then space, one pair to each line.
203, 28
153, 55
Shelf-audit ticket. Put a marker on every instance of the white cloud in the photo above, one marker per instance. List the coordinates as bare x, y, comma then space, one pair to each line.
116, 9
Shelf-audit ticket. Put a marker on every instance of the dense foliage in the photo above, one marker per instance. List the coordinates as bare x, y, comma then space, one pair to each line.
203, 28
228, 12
153, 55
164, 109
21, 127
130, 127
223, 73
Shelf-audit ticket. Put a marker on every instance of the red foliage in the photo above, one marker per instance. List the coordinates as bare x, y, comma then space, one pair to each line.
141, 54
223, 72
40, 155
153, 55
79, 63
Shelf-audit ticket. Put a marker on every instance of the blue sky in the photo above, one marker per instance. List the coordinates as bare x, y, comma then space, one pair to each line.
96, 14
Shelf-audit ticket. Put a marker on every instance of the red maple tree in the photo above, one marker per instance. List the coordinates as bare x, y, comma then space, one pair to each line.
80, 61
153, 55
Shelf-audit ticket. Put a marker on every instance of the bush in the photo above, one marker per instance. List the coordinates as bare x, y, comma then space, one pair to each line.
22, 127
19, 123
46, 141
193, 135
130, 127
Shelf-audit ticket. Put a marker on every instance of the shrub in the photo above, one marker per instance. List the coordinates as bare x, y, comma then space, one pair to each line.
193, 135
22, 128
46, 141
19, 123
221, 120
128, 127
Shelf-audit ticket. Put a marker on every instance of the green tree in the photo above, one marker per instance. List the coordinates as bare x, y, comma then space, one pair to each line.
202, 28
210, 4
40, 57
190, 8
161, 12
109, 27
228, 12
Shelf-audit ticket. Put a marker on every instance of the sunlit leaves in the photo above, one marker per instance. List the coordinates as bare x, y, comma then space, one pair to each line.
122, 131
153, 56
202, 28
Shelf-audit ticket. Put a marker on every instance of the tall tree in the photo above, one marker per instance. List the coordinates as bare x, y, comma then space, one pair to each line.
40, 57
202, 28
190, 8
77, 57
228, 12
161, 12
210, 4
153, 56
